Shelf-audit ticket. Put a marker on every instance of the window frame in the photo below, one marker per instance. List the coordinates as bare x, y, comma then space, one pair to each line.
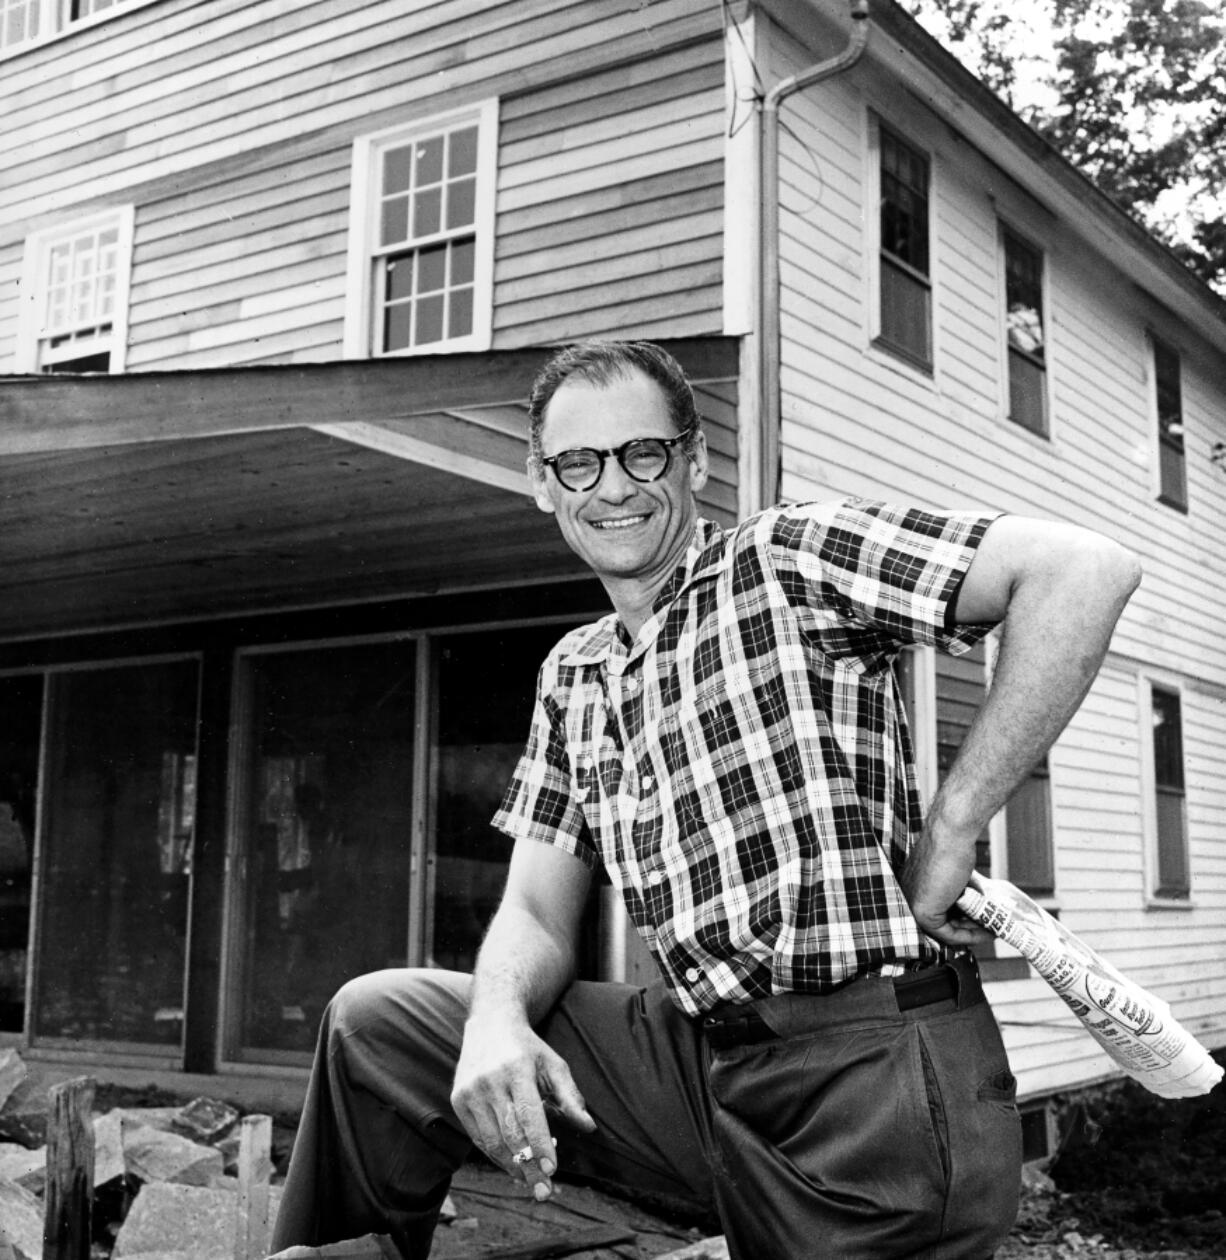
361, 306
55, 21
35, 288
1007, 234
880, 258
1168, 439
1156, 894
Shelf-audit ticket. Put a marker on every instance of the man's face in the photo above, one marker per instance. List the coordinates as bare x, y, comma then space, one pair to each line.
622, 528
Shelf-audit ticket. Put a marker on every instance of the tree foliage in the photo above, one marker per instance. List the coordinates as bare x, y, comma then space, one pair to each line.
1133, 92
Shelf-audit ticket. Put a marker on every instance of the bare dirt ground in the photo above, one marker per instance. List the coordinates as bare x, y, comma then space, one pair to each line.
1138, 1178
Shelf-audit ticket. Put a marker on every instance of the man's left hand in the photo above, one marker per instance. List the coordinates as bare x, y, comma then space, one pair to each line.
935, 876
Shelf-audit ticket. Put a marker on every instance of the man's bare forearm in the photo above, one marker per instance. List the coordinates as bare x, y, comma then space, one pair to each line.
507, 1073
522, 969
1054, 639
1059, 616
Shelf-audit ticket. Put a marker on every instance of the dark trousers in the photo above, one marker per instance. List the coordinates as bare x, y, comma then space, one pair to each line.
844, 1128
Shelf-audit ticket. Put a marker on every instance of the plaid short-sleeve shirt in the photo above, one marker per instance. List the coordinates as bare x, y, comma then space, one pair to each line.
742, 769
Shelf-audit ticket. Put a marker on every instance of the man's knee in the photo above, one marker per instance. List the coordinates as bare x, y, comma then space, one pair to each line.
398, 1008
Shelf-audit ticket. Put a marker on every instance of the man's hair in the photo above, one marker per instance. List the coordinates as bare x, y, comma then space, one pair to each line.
601, 362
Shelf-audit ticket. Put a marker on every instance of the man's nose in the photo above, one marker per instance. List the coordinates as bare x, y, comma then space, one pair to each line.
615, 484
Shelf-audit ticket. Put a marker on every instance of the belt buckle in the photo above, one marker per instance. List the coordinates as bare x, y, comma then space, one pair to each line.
742, 1029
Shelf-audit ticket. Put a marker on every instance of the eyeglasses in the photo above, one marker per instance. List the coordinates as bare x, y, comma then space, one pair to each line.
642, 459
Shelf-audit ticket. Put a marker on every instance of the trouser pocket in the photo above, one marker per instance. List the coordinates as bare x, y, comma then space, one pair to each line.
972, 1104
828, 1147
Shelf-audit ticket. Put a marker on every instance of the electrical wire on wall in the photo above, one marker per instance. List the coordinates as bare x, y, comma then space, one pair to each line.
752, 95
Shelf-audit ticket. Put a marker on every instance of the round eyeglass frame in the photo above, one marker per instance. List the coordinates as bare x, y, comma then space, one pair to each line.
618, 453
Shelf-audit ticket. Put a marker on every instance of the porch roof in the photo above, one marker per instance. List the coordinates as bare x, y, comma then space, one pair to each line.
171, 496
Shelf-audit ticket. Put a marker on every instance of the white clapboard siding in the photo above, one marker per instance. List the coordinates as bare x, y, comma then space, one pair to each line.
632, 179
10, 279
230, 129
376, 74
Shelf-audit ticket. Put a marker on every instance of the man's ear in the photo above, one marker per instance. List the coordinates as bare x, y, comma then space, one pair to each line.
699, 464
537, 480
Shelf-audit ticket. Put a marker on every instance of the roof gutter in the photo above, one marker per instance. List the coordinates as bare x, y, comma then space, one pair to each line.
766, 313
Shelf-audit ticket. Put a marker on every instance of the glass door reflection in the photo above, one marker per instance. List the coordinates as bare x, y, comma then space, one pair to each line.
120, 813
326, 809
486, 689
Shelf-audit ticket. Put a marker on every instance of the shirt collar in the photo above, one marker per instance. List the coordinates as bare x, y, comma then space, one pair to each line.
605, 641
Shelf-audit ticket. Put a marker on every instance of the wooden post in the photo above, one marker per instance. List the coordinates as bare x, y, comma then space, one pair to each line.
251, 1232
70, 1171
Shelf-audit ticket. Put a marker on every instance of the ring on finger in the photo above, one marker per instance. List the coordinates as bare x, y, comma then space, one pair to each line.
522, 1156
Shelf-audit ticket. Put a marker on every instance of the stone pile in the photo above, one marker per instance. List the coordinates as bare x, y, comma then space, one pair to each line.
165, 1179
165, 1174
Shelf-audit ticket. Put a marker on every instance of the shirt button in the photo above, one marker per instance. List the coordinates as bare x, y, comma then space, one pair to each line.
655, 877
693, 974
647, 782
632, 683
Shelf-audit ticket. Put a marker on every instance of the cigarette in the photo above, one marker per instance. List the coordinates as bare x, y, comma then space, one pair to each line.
525, 1155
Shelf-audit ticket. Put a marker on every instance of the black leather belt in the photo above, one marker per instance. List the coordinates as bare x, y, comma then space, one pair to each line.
730, 1026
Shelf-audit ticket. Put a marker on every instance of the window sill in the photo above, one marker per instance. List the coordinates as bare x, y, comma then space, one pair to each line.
1042, 434
1154, 901
899, 354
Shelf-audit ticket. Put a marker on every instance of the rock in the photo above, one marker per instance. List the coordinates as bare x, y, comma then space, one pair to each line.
189, 1222
228, 1146
154, 1117
109, 1162
20, 1164
12, 1073
23, 1115
21, 1211
1036, 1181
368, 1247
705, 1249
205, 1119
155, 1155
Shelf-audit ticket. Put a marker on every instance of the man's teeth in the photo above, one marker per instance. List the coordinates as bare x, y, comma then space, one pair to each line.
623, 523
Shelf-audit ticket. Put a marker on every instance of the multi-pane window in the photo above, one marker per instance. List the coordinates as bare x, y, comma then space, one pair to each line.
23, 21
427, 260
1024, 333
1168, 389
905, 317
77, 280
20, 21
1171, 824
79, 307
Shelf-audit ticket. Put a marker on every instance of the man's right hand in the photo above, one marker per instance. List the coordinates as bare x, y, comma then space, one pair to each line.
506, 1079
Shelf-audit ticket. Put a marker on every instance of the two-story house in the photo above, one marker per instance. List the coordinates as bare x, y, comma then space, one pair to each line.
274, 278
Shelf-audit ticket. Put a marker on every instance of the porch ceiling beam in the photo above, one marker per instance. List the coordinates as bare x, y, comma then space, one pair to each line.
41, 414
403, 445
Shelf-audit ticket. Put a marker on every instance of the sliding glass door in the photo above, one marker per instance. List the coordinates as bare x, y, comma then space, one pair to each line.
324, 825
119, 816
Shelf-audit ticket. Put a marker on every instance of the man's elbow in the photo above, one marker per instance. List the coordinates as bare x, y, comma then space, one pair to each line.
1108, 569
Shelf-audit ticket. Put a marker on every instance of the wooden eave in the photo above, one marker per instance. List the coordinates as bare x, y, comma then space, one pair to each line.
170, 496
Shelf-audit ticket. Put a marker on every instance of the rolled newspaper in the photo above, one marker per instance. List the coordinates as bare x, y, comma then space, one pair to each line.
1134, 1027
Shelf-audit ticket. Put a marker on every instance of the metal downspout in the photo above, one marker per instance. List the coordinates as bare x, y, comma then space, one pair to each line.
766, 316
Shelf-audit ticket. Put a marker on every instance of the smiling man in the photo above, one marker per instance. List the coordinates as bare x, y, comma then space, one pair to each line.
816, 1062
